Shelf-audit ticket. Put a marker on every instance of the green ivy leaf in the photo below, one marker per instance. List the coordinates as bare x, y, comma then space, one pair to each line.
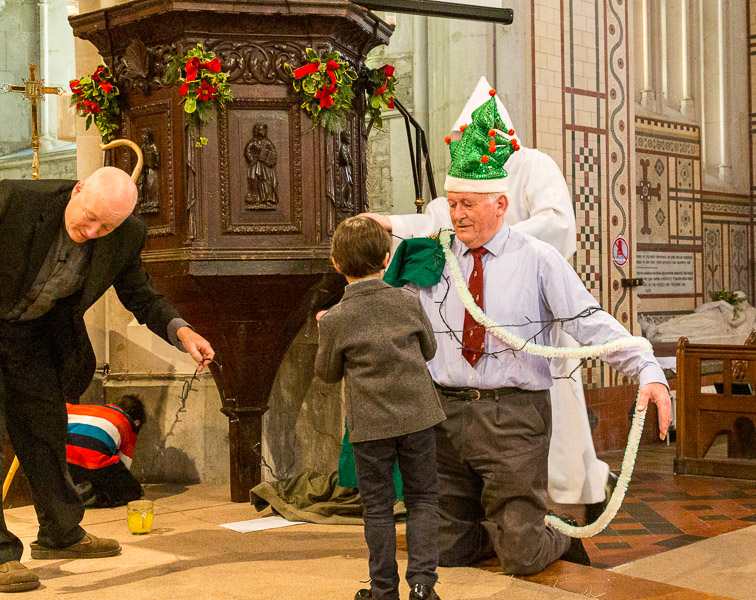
190, 105
311, 54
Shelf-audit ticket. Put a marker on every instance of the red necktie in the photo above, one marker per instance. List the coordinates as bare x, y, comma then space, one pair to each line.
474, 334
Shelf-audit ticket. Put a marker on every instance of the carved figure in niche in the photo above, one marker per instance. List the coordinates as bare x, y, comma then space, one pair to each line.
262, 183
345, 165
148, 184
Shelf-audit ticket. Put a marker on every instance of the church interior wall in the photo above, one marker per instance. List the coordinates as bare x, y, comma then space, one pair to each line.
568, 73
691, 101
19, 40
35, 31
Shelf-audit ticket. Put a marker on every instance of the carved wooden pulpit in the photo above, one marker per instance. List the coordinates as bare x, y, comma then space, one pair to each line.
239, 230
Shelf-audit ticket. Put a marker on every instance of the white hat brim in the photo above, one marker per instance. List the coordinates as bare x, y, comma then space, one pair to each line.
475, 186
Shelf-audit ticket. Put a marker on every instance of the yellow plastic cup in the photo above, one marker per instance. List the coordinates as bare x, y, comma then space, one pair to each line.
140, 514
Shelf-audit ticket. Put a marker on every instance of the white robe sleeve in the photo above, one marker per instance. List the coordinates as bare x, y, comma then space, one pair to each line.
435, 217
543, 191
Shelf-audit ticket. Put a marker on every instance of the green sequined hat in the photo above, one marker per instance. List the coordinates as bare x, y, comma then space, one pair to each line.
478, 158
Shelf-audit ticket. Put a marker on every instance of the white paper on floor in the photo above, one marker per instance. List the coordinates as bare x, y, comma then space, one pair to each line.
260, 524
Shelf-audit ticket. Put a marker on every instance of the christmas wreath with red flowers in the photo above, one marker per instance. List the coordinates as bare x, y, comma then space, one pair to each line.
379, 85
324, 85
203, 86
96, 98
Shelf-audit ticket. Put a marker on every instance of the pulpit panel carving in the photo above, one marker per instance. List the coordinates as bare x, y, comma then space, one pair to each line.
344, 175
140, 68
150, 126
257, 62
275, 125
148, 184
262, 180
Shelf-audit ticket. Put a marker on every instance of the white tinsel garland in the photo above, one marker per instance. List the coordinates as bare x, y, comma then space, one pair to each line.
628, 462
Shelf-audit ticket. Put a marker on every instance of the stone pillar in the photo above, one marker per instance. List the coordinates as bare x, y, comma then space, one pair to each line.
648, 93
687, 104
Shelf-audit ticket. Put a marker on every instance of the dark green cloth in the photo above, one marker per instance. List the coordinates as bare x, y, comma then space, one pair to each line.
348, 473
417, 260
314, 498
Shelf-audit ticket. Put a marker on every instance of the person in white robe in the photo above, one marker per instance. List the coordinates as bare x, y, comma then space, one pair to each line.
539, 205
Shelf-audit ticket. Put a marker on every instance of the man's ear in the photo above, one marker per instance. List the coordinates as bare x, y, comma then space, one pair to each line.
78, 187
502, 203
386, 260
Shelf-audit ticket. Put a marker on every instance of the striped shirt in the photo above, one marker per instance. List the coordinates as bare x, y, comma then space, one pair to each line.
99, 436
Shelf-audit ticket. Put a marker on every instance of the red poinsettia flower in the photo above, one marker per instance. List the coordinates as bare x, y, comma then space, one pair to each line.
91, 107
75, 83
106, 87
206, 91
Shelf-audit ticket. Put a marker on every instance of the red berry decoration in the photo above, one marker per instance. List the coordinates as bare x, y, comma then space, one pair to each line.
491, 132
463, 127
511, 132
447, 139
484, 159
492, 93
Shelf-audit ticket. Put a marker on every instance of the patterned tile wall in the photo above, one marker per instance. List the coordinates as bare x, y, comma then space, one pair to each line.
669, 232
726, 242
582, 118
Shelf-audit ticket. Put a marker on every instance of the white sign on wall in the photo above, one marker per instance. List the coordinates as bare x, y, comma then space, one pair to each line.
667, 273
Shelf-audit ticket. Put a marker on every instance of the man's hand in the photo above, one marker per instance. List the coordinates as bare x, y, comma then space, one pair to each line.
659, 395
197, 346
383, 220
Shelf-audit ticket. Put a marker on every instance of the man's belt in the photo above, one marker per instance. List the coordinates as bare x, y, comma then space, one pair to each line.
467, 393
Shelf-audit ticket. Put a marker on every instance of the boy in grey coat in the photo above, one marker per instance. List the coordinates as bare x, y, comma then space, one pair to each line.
378, 339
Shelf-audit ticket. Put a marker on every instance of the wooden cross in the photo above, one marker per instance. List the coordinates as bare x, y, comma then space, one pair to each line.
34, 90
646, 193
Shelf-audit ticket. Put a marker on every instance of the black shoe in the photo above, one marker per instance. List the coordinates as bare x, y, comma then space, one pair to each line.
576, 553
421, 591
363, 594
594, 511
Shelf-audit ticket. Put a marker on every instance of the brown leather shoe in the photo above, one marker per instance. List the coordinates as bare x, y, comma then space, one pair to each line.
90, 546
15, 577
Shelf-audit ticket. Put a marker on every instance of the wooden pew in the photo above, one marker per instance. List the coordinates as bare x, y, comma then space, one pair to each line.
701, 417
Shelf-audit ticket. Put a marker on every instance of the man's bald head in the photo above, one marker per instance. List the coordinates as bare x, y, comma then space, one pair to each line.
99, 204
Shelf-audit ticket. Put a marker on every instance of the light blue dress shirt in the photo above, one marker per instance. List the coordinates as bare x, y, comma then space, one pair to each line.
525, 282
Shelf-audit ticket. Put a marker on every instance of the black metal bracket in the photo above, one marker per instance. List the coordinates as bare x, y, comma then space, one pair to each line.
419, 155
631, 283
448, 10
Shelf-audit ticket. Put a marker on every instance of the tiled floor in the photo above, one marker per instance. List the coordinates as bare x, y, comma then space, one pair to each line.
662, 511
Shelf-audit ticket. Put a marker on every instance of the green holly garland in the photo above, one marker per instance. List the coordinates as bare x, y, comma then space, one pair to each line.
204, 85
96, 97
379, 85
325, 88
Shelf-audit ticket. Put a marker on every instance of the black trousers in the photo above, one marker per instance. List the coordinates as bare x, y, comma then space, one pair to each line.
492, 475
374, 462
113, 485
33, 412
